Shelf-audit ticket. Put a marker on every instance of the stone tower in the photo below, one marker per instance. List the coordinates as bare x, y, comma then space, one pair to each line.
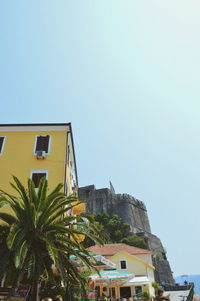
133, 212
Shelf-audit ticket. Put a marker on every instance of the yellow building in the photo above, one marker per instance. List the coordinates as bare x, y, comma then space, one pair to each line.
38, 150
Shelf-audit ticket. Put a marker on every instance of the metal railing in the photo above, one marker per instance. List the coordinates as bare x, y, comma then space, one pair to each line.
187, 287
10, 293
178, 287
5, 293
191, 293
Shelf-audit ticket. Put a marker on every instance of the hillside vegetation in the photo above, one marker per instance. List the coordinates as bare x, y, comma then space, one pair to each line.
116, 231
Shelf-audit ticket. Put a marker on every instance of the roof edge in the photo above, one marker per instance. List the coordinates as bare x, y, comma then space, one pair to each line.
36, 124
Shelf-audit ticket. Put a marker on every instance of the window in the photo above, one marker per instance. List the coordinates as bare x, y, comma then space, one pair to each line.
97, 288
42, 143
36, 176
2, 140
123, 264
112, 292
138, 290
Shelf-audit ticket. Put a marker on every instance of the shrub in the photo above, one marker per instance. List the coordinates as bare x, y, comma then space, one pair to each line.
146, 295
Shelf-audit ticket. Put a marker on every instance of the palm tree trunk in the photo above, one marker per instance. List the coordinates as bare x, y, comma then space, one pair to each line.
3, 280
68, 292
35, 292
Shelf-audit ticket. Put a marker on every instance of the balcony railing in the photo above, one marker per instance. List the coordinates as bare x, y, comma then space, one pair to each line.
187, 287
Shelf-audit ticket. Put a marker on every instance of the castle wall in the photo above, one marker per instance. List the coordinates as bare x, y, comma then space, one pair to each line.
133, 212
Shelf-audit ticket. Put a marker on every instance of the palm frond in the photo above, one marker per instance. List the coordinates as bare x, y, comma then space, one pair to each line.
20, 254
21, 190
31, 192
14, 237
8, 218
39, 234
42, 192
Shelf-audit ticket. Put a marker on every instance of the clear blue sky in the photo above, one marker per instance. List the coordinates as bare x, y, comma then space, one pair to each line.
126, 74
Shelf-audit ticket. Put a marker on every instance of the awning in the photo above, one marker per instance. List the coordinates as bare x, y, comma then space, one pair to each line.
112, 276
97, 260
138, 281
105, 261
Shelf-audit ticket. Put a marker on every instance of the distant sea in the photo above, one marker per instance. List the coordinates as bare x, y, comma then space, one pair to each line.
190, 278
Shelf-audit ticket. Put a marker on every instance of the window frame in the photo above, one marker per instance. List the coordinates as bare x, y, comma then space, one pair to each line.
35, 144
2, 149
136, 287
121, 266
112, 291
33, 171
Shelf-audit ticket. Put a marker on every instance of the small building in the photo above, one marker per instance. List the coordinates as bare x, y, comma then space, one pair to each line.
132, 260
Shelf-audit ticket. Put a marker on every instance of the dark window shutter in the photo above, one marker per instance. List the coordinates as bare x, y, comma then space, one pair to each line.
46, 144
1, 143
36, 177
39, 144
42, 144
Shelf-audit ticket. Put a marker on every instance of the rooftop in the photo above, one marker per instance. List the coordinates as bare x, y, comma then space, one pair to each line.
35, 124
112, 249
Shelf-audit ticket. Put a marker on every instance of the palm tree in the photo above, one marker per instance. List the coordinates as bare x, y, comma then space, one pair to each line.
36, 236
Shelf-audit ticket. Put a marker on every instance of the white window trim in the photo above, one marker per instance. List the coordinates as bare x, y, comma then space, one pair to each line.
49, 146
2, 149
126, 264
39, 171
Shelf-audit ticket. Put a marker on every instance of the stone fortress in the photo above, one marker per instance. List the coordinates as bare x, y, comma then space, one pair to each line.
133, 212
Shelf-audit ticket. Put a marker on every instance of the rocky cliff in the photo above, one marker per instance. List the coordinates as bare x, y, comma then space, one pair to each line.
133, 212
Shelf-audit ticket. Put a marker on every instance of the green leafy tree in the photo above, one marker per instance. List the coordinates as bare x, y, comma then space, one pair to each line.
38, 236
113, 225
136, 241
6, 258
88, 241
116, 231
